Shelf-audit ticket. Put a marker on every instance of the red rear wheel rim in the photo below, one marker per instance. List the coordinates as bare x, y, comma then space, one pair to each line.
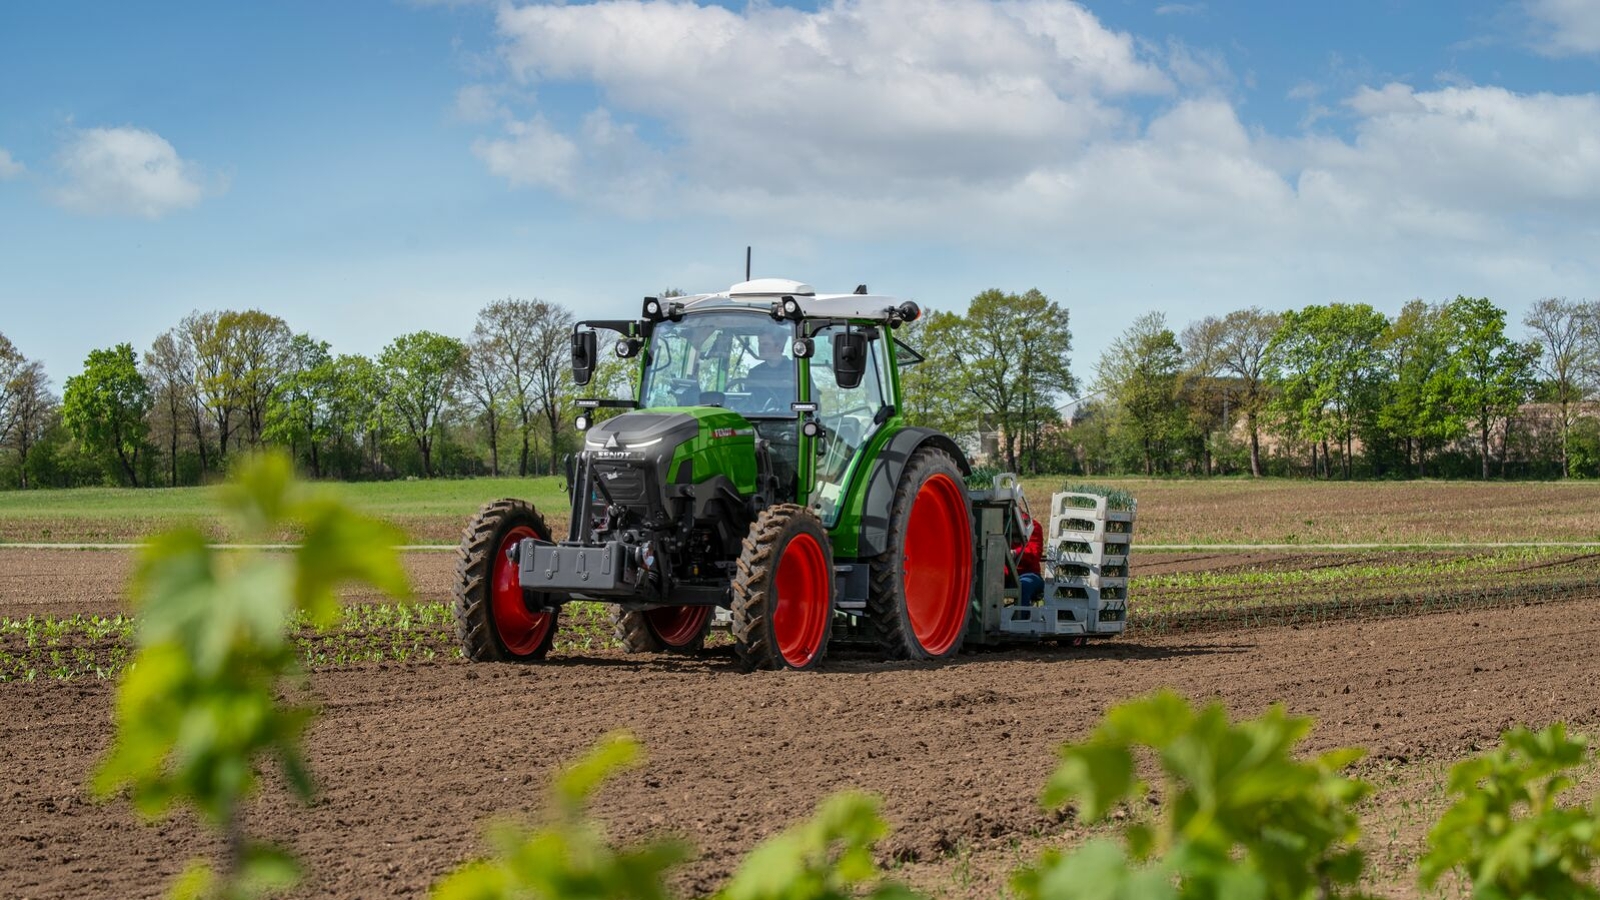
522, 630
678, 626
801, 613
938, 564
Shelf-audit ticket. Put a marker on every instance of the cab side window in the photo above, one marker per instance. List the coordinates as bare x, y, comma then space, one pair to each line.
848, 416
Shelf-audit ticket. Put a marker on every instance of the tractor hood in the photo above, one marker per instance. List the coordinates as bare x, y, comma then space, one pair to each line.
689, 443
642, 430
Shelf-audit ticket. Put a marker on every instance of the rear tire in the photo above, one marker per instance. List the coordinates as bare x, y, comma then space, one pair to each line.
783, 591
496, 621
920, 597
669, 629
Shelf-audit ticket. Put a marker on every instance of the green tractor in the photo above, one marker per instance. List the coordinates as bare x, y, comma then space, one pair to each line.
765, 470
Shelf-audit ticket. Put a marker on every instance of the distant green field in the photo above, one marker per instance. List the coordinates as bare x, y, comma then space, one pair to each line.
430, 511
1171, 511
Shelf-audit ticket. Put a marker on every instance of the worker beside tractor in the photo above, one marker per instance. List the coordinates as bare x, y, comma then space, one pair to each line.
766, 480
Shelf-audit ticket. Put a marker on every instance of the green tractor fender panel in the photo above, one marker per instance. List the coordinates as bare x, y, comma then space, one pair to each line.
878, 496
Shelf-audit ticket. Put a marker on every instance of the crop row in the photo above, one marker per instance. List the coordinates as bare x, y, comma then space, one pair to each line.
98, 646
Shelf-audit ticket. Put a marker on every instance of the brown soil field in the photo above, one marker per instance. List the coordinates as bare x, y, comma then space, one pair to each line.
91, 582
1174, 512
1274, 511
413, 759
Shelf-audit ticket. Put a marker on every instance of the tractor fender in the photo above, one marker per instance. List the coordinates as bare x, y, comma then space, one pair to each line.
878, 499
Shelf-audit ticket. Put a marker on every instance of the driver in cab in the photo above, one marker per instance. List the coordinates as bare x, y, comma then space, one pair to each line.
775, 371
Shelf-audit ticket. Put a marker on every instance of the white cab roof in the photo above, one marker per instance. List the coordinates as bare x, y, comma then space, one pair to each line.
760, 293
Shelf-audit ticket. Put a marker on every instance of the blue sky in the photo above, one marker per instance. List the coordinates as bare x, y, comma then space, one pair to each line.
369, 168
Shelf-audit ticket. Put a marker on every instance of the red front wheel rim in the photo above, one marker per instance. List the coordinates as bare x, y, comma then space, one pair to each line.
521, 629
800, 615
678, 626
938, 564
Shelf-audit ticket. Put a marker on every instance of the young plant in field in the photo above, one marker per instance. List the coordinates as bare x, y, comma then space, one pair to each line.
570, 856
828, 857
1507, 833
197, 710
1238, 815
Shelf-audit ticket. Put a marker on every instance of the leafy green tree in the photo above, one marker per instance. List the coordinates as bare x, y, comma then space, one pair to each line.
1139, 374
1327, 371
552, 383
257, 347
1417, 405
1013, 357
1492, 375
1242, 355
521, 334
1203, 391
934, 392
1241, 814
1568, 335
298, 414
27, 407
422, 371
169, 367
354, 412
213, 405
106, 408
1507, 830
198, 712
485, 384
33, 412
11, 364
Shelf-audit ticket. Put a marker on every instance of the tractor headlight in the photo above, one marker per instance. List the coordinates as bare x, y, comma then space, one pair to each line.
582, 422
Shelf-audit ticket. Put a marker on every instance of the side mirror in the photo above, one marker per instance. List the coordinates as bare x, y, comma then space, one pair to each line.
849, 359
585, 350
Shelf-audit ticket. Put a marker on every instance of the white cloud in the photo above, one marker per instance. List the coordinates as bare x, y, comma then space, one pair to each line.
853, 93
125, 171
9, 168
531, 155
479, 103
1476, 150
1030, 123
1565, 27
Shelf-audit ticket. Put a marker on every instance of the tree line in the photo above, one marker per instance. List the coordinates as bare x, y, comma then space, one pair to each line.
219, 384
1335, 390
1341, 390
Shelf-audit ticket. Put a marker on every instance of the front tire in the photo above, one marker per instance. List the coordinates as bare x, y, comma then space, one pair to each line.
496, 621
783, 591
920, 598
670, 629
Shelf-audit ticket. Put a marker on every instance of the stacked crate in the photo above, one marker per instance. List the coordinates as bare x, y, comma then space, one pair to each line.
1087, 559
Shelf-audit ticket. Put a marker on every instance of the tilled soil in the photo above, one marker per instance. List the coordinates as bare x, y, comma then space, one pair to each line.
92, 582
412, 760
62, 583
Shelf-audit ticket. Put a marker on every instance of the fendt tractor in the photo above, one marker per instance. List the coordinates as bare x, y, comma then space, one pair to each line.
765, 479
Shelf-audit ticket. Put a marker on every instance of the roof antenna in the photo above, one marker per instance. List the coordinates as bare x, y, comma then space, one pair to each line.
746, 263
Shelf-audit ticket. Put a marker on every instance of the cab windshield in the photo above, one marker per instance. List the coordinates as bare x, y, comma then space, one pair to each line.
737, 360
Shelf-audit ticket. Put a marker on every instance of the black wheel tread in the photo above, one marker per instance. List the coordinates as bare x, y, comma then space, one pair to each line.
753, 583
636, 635
474, 568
